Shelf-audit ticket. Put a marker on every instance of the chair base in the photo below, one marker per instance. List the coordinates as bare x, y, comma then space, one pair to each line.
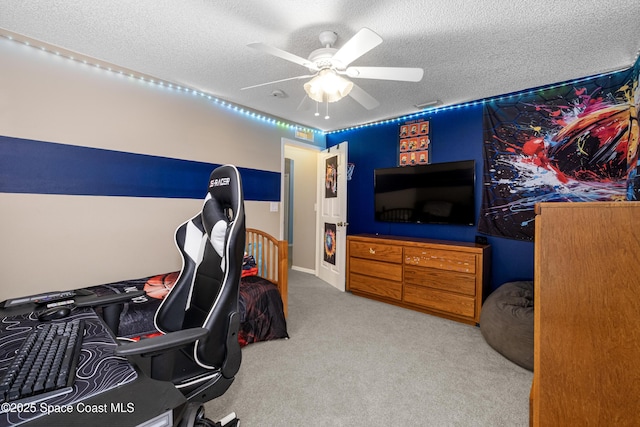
194, 416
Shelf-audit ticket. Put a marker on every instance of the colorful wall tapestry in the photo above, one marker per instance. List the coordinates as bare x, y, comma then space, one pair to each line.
576, 142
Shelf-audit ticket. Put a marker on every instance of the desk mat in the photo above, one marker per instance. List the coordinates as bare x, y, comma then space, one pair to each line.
98, 369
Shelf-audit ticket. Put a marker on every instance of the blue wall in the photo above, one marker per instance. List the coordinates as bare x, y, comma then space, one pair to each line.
456, 135
38, 167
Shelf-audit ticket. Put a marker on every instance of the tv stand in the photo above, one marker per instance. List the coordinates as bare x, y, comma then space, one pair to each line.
447, 279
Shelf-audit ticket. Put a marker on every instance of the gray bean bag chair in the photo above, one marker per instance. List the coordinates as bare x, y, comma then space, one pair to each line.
506, 322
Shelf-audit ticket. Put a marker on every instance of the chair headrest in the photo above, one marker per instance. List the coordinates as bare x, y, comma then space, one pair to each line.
225, 187
223, 204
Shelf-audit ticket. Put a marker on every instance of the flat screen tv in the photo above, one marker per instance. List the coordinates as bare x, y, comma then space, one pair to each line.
438, 193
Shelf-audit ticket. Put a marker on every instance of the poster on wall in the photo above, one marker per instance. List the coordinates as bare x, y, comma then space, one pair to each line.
331, 178
330, 243
414, 143
571, 143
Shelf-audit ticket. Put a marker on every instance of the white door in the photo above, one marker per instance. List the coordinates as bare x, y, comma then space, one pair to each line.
332, 215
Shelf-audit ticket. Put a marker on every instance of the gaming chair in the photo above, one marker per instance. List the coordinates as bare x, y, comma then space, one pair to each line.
199, 350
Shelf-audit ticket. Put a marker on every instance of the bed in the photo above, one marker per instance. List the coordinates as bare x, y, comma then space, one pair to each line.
262, 299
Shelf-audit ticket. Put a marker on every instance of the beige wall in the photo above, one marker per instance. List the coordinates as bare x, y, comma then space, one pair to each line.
305, 165
52, 242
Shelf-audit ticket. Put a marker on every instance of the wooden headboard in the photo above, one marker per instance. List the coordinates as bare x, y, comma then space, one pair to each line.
271, 257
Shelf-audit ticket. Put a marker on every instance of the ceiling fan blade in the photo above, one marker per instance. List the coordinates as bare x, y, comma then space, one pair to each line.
282, 54
358, 45
386, 73
279, 81
363, 98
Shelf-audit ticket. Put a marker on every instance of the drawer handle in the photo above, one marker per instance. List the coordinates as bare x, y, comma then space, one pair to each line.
372, 251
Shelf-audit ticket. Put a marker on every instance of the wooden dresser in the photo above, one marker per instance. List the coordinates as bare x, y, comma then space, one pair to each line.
586, 315
448, 279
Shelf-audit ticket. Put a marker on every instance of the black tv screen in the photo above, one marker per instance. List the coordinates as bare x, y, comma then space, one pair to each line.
438, 193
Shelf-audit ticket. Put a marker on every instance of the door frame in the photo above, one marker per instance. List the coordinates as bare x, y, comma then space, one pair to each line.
316, 150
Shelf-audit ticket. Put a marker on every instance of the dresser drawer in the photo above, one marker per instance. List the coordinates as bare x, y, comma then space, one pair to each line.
442, 259
376, 251
443, 278
375, 286
447, 280
383, 270
448, 302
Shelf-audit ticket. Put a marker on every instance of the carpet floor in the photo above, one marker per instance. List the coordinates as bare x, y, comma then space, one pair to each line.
351, 361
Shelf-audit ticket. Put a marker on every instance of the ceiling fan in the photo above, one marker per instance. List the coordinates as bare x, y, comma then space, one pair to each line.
329, 65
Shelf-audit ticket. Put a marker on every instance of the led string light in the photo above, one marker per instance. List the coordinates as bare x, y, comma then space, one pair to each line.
121, 71
270, 120
435, 110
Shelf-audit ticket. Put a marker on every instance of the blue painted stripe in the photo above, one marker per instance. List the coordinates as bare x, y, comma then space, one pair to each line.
28, 166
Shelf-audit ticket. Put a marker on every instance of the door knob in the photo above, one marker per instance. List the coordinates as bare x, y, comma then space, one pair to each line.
342, 224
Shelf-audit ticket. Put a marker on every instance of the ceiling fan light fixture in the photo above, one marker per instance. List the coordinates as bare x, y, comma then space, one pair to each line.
328, 86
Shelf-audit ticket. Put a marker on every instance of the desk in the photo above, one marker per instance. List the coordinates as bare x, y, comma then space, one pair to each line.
108, 390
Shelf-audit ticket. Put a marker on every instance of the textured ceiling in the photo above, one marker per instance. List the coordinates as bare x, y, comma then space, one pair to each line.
469, 50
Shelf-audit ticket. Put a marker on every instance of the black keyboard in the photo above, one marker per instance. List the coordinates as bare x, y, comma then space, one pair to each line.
45, 364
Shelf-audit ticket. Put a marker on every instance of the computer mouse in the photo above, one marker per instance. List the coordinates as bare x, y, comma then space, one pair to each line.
53, 313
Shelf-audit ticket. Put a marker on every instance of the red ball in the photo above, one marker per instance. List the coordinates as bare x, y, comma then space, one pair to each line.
159, 286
